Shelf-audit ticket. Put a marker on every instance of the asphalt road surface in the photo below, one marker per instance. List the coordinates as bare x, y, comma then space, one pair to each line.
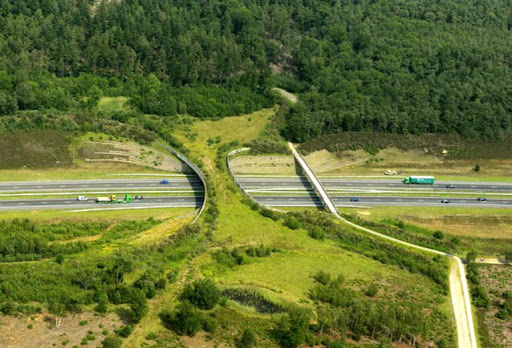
344, 201
69, 203
368, 184
101, 185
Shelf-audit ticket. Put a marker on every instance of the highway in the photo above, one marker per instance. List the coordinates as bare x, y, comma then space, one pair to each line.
367, 184
189, 183
69, 203
344, 201
94, 188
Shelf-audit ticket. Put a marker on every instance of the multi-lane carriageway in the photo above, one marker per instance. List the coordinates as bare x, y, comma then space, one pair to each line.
296, 191
185, 191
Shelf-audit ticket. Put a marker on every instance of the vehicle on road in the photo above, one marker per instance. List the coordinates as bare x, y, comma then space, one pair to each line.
450, 186
164, 181
138, 197
112, 199
81, 198
420, 180
354, 199
445, 201
481, 199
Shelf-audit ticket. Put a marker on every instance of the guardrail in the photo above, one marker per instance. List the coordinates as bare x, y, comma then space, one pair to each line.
196, 170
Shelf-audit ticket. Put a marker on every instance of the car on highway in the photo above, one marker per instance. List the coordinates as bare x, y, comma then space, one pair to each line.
354, 199
81, 198
450, 186
481, 199
445, 201
164, 181
138, 197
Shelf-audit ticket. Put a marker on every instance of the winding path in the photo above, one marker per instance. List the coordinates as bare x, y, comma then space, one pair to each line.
461, 300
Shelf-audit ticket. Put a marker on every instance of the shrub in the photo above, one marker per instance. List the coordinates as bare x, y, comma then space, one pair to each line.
209, 324
203, 294
247, 340
372, 290
124, 331
322, 277
438, 235
112, 342
292, 223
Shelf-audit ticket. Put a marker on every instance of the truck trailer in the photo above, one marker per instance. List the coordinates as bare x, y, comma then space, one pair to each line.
421, 180
112, 199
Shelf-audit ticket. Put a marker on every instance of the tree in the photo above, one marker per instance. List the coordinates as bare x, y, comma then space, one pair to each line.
471, 256
203, 294
102, 303
476, 168
186, 320
138, 305
291, 331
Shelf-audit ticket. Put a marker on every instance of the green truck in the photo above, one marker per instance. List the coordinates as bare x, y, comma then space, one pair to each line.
421, 180
112, 199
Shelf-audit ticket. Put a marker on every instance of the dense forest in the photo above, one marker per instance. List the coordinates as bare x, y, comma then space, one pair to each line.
390, 66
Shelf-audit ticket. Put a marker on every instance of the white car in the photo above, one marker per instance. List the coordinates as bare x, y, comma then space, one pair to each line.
81, 198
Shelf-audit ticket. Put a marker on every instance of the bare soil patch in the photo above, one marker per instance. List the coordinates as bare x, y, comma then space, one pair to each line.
39, 331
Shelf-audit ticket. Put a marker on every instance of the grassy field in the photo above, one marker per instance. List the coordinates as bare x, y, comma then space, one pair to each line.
469, 222
35, 150
50, 216
110, 104
286, 275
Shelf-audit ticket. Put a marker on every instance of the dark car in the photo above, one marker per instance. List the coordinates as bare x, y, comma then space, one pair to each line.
450, 186
164, 181
445, 201
138, 197
481, 199
354, 199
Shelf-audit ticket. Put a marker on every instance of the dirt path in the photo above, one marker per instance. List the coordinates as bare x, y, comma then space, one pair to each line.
463, 334
492, 261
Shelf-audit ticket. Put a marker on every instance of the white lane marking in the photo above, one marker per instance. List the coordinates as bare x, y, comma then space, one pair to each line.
44, 202
39, 186
494, 186
291, 199
159, 200
68, 202
16, 187
21, 203
473, 186
377, 199
399, 200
